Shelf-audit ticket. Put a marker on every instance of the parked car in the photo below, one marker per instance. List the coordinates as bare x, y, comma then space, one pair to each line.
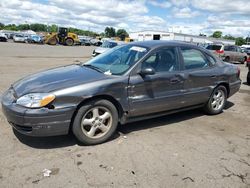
128, 83
106, 45
228, 53
19, 38
95, 42
3, 37
34, 39
248, 74
84, 42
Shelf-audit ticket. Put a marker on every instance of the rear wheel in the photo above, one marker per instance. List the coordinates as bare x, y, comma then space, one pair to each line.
248, 77
227, 59
244, 60
217, 101
95, 122
69, 42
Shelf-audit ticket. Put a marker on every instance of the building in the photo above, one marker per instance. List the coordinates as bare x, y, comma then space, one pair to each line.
162, 35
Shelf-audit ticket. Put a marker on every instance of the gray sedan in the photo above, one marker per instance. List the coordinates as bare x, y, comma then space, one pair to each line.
128, 83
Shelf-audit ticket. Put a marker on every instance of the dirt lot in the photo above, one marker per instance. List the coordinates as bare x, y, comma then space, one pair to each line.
187, 149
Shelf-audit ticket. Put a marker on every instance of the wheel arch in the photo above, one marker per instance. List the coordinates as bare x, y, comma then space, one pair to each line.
226, 85
109, 98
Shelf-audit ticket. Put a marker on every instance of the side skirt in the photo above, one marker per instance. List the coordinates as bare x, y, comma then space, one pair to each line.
125, 119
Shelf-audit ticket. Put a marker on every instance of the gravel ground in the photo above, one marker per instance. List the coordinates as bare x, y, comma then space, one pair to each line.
187, 149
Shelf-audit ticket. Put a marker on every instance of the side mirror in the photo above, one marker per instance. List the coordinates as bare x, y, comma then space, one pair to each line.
147, 71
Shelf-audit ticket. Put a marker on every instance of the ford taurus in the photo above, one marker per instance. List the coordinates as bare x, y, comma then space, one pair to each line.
128, 83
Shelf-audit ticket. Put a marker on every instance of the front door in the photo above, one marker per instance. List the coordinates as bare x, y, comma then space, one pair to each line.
158, 92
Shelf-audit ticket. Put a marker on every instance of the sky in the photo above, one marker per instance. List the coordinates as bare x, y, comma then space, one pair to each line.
182, 16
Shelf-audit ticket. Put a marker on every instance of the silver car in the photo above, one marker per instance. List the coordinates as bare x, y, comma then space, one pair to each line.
229, 53
106, 45
19, 38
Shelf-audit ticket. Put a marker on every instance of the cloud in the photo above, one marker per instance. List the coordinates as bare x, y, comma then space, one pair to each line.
223, 6
194, 16
164, 4
180, 3
184, 12
82, 14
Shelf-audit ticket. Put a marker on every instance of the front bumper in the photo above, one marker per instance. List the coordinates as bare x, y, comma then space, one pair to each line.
36, 122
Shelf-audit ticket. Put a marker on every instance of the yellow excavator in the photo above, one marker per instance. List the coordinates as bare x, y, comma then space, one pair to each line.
63, 36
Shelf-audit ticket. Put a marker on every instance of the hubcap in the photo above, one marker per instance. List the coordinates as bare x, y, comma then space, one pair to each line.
218, 100
96, 122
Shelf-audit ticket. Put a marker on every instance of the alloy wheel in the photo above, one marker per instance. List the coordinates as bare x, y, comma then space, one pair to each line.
96, 122
218, 100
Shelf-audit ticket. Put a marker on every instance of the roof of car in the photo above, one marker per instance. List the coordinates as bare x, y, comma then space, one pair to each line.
160, 43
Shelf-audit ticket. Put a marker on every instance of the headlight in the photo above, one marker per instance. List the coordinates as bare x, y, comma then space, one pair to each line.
35, 100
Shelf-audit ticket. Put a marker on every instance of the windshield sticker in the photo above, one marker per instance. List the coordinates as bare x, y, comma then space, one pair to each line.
108, 72
138, 49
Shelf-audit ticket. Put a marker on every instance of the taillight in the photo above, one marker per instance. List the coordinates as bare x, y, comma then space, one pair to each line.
248, 59
219, 51
238, 71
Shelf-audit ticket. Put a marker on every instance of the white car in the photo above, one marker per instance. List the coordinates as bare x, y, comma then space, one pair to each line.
3, 37
106, 45
19, 38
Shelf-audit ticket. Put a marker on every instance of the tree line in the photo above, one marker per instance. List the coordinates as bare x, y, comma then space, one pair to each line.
238, 40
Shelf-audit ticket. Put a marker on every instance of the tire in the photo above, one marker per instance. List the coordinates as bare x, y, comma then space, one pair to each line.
52, 41
248, 77
245, 60
227, 59
95, 122
217, 101
69, 42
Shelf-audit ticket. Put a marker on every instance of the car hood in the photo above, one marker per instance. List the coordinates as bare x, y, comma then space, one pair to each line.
56, 79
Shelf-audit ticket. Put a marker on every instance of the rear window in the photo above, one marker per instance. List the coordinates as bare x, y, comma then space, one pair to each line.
214, 47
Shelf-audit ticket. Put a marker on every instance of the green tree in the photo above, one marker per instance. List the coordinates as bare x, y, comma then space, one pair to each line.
240, 41
110, 32
229, 37
217, 34
122, 33
12, 27
1, 26
52, 28
38, 27
23, 27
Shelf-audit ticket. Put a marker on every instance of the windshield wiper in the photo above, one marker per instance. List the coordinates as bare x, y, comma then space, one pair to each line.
93, 67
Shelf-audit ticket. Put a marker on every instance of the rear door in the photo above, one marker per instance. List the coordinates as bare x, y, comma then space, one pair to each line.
161, 91
200, 76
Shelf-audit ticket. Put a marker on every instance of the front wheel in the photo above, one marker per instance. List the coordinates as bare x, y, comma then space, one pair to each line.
95, 122
217, 101
69, 42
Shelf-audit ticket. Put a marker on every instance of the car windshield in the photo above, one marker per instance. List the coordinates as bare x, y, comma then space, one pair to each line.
213, 47
19, 35
117, 60
108, 44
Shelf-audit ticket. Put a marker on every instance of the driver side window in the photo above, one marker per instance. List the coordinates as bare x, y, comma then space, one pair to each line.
164, 60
